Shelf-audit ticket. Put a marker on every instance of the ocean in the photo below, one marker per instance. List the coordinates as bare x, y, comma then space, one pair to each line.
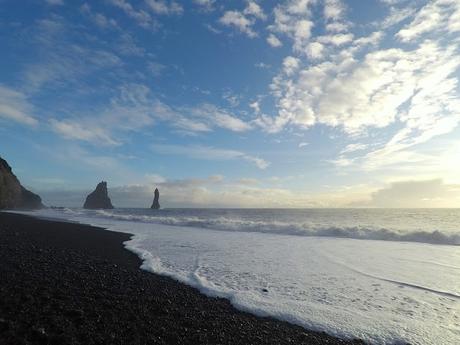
386, 276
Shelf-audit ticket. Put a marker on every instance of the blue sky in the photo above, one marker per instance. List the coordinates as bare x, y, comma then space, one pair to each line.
296, 103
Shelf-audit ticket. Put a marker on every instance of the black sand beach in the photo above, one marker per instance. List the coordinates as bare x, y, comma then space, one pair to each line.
63, 283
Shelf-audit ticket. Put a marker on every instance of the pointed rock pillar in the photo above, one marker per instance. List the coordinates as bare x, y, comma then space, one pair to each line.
99, 198
156, 200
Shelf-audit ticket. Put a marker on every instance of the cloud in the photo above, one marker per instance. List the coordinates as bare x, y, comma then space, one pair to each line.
99, 19
274, 41
162, 7
55, 2
135, 108
407, 94
215, 116
262, 65
425, 193
142, 18
397, 15
336, 40
208, 5
253, 9
71, 129
353, 148
369, 93
333, 9
60, 62
156, 68
434, 17
292, 19
239, 21
14, 106
315, 50
129, 111
245, 20
255, 106
208, 153
290, 65
303, 144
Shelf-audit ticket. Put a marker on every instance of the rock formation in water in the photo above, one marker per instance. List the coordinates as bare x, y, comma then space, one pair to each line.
156, 200
12, 194
99, 198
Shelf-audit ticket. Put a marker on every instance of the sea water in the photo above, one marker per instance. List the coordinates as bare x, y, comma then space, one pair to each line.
385, 276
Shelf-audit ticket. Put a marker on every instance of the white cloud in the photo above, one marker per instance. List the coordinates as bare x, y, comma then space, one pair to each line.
206, 4
232, 98
215, 116
156, 68
55, 2
255, 106
209, 153
302, 144
140, 16
435, 16
72, 129
155, 179
253, 9
353, 148
99, 19
15, 106
315, 50
245, 20
131, 110
424, 193
293, 20
360, 88
239, 21
262, 65
135, 108
356, 95
274, 41
336, 27
333, 9
212, 29
61, 63
397, 15
336, 40
290, 65
162, 7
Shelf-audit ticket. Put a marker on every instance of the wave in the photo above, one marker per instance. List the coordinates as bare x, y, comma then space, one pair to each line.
291, 228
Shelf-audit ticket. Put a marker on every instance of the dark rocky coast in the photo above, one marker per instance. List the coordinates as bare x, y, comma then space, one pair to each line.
64, 283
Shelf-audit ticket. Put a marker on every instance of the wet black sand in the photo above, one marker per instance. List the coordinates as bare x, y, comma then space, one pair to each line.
63, 283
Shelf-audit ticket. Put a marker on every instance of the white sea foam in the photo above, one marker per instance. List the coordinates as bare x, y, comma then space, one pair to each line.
385, 292
295, 227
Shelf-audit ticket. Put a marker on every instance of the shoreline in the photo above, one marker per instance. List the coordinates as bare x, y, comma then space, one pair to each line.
69, 283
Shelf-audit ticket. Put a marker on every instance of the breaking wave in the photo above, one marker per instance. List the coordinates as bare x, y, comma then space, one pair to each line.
291, 228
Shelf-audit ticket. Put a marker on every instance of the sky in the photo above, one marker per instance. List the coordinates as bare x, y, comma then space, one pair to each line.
293, 103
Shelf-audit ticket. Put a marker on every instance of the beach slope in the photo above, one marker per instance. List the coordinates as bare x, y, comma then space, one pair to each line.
66, 283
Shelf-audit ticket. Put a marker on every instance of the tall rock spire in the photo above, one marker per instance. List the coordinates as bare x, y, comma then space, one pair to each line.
99, 198
156, 200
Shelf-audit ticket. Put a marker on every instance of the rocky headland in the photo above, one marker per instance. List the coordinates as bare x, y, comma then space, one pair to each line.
12, 194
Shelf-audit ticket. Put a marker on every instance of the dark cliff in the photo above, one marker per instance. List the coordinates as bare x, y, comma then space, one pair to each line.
12, 194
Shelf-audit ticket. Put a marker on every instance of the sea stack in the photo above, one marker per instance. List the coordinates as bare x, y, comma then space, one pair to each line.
156, 200
12, 194
99, 198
